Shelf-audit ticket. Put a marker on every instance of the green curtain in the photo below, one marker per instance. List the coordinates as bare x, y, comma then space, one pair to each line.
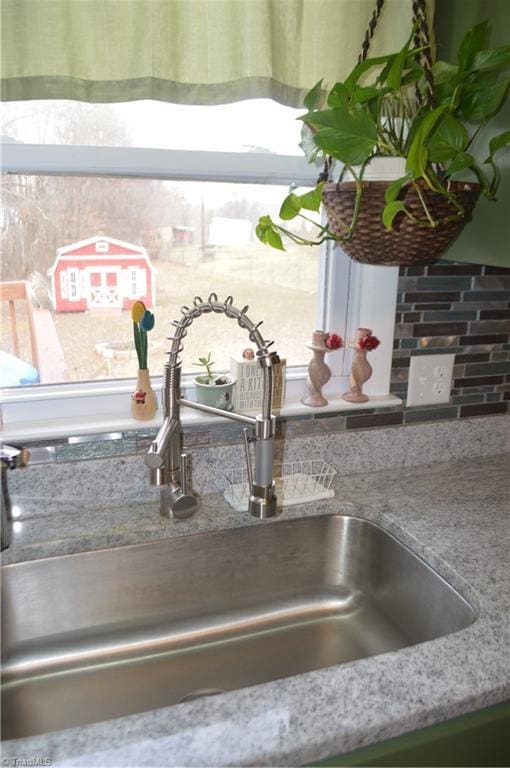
186, 51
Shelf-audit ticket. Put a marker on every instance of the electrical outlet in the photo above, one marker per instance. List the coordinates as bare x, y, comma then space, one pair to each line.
430, 379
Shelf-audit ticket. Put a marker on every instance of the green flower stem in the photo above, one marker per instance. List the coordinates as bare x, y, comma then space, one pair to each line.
138, 347
143, 335
140, 337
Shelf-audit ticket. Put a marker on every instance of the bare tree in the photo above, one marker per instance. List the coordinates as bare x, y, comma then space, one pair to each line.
43, 213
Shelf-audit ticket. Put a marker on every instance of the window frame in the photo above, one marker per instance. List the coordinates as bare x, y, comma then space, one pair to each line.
349, 294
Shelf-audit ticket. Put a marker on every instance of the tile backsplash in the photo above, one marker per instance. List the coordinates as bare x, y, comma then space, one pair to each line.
461, 309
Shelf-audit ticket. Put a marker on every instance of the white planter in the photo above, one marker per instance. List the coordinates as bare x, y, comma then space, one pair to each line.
380, 169
215, 395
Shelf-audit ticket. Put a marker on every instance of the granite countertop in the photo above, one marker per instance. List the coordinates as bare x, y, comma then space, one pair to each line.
454, 514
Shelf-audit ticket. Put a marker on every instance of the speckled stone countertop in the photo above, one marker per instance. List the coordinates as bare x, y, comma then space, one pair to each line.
454, 514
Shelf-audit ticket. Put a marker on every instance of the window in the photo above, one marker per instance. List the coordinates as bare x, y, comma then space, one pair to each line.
185, 221
73, 291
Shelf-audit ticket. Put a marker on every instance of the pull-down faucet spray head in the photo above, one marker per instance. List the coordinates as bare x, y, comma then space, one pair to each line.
165, 457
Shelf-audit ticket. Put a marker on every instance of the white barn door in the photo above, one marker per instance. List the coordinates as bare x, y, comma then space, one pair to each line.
103, 287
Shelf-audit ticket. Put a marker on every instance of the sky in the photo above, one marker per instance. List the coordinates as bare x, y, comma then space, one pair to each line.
238, 127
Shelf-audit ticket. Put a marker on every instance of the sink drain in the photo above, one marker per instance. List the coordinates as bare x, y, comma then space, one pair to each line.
201, 693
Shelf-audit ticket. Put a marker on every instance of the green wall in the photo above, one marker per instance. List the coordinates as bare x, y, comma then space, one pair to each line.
486, 240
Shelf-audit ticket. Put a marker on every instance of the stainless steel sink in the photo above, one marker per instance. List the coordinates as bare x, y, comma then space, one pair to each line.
102, 634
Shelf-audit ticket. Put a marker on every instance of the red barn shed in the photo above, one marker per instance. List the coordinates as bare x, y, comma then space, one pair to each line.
101, 272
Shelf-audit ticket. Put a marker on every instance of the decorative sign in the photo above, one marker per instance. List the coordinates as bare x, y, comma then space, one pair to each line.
250, 384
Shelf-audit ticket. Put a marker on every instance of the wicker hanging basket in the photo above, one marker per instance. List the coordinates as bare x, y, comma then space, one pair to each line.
407, 243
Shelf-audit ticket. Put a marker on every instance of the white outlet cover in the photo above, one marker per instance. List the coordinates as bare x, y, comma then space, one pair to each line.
430, 379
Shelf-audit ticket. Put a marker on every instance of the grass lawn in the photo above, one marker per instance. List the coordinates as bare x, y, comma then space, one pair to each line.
280, 288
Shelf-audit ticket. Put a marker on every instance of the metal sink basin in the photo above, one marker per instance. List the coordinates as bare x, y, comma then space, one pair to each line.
102, 634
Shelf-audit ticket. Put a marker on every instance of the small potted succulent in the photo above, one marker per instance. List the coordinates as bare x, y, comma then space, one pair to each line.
401, 132
213, 389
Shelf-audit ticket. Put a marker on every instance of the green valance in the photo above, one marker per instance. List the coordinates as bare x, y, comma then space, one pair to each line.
186, 51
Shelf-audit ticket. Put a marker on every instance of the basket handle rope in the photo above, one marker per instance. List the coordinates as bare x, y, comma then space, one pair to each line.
421, 38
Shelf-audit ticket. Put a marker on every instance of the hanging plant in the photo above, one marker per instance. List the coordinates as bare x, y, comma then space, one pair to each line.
421, 119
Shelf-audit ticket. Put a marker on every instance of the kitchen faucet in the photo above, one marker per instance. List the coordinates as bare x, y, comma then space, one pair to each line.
10, 458
165, 458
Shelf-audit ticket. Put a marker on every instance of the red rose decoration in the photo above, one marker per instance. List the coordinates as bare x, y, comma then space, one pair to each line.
333, 341
369, 343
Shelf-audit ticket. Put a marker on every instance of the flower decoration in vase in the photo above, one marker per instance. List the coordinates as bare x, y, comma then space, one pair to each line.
361, 370
319, 372
144, 403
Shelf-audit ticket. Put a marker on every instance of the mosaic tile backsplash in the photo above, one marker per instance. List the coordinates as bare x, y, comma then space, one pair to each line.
461, 309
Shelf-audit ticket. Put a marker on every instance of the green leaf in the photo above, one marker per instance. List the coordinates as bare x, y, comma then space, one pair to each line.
459, 163
443, 72
383, 74
498, 142
308, 146
313, 96
311, 201
393, 189
348, 135
329, 118
413, 129
466, 160
394, 77
444, 93
417, 156
390, 211
267, 233
482, 179
477, 106
492, 59
411, 77
265, 223
362, 94
448, 139
338, 96
480, 81
409, 63
274, 239
476, 39
350, 149
363, 67
290, 207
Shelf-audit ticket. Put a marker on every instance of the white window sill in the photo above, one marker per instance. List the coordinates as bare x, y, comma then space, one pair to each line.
86, 425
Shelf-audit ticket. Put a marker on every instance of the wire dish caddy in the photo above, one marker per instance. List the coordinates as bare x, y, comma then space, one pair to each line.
297, 482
